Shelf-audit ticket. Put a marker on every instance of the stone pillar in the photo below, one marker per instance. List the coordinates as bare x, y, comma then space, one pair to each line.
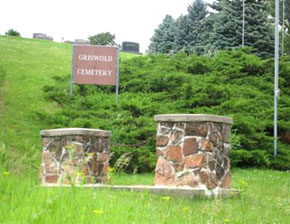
193, 150
74, 156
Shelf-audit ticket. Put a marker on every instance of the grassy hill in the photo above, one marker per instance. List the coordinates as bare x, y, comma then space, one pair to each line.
34, 86
35, 96
29, 65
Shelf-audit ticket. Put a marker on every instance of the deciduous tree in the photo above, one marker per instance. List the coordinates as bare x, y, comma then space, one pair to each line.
105, 39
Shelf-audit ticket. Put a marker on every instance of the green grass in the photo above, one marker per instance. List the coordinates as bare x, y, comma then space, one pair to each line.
28, 68
265, 198
30, 65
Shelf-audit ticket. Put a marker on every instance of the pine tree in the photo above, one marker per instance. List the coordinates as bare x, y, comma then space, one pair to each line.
189, 28
207, 33
287, 12
227, 32
182, 30
258, 33
287, 28
163, 38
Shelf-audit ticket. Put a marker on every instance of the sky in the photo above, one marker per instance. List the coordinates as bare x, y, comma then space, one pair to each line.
129, 20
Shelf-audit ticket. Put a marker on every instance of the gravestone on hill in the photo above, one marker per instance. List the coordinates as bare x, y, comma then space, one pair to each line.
130, 47
81, 41
42, 36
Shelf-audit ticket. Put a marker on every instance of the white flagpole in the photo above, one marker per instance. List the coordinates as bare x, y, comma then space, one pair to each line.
283, 28
276, 89
243, 33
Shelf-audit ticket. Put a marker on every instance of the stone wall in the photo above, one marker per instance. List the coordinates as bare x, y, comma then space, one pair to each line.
193, 151
74, 156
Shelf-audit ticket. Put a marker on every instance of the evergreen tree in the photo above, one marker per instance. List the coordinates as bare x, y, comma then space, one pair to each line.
207, 33
182, 30
190, 27
287, 28
287, 12
163, 38
271, 9
227, 32
258, 33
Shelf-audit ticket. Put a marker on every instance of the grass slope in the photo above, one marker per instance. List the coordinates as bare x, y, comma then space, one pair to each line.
30, 64
232, 83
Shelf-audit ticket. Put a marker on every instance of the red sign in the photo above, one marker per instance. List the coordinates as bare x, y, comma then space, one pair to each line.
95, 65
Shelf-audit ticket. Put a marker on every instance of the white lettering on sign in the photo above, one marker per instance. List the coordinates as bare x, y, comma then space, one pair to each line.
94, 72
85, 57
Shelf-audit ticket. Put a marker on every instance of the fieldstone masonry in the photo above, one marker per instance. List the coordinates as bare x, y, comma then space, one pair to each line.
74, 156
193, 150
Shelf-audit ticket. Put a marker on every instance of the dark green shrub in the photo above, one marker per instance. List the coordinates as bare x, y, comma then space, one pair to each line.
254, 158
12, 32
233, 83
106, 39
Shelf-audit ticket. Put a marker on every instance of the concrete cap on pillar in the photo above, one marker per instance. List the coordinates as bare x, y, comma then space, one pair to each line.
192, 118
75, 131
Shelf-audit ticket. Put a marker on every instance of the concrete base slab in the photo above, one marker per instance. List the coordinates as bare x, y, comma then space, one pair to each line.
163, 190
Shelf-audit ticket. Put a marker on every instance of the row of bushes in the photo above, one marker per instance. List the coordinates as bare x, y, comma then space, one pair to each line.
232, 83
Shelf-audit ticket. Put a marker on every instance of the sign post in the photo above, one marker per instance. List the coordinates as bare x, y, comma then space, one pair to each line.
72, 74
98, 65
117, 71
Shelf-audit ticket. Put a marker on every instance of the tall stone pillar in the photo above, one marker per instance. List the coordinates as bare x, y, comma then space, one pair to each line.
74, 156
193, 150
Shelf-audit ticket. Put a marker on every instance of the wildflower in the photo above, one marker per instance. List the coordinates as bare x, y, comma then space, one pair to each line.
185, 209
98, 212
6, 173
166, 198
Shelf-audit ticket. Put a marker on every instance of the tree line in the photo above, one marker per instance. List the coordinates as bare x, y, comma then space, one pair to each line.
207, 28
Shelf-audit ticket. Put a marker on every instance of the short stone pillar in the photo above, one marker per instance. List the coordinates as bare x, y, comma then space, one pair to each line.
74, 156
193, 150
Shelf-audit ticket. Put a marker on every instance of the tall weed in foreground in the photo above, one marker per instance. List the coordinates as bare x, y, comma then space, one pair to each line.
2, 73
123, 162
4, 150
